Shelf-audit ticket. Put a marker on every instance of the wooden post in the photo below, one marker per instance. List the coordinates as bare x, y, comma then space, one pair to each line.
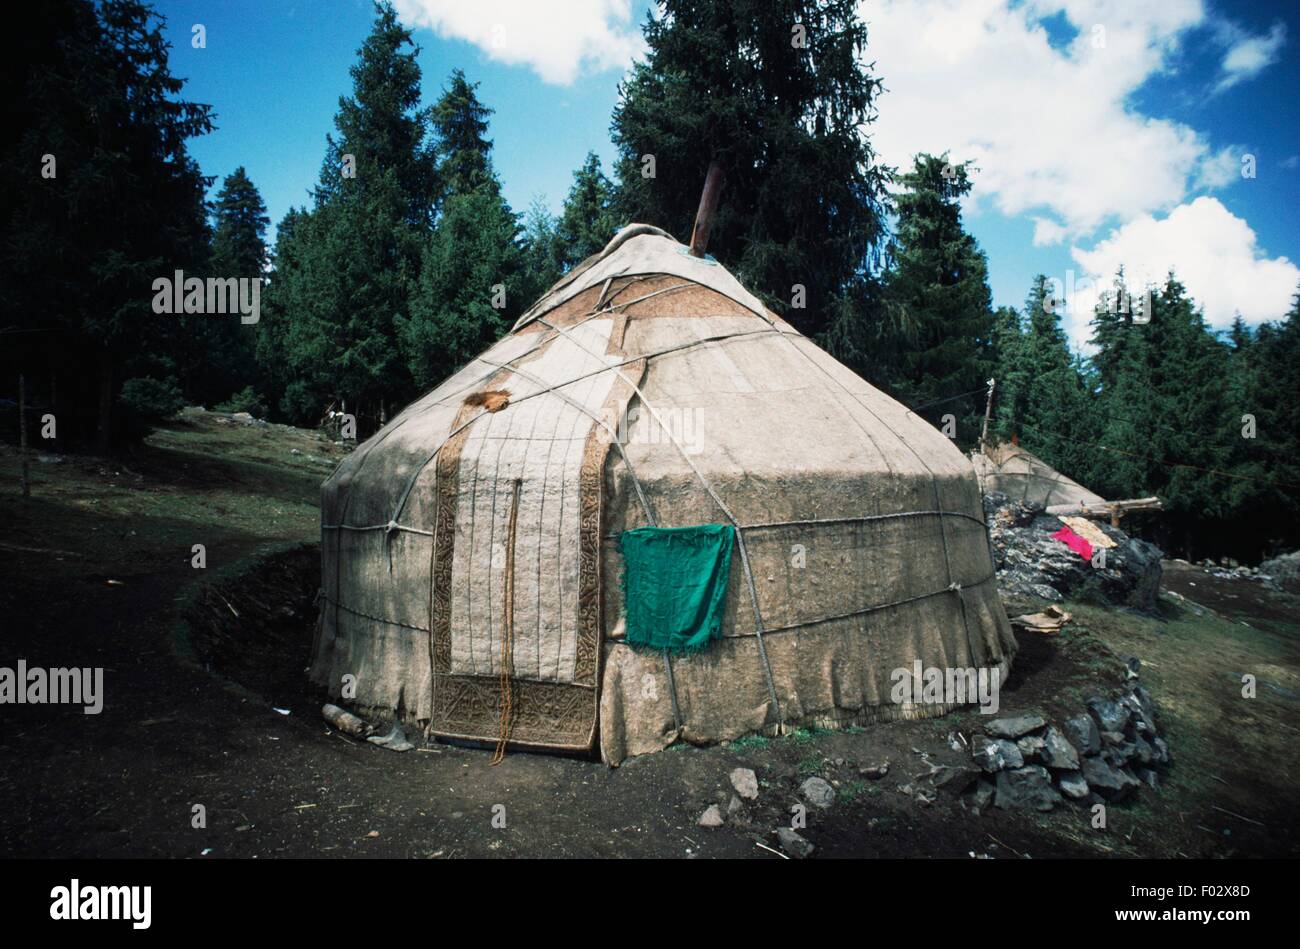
22, 433
988, 413
1112, 509
708, 204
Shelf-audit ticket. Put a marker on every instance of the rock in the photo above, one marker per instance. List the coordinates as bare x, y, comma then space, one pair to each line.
1144, 753
1031, 746
1029, 561
1057, 752
1110, 783
954, 779
1029, 788
818, 792
875, 772
1013, 727
1110, 715
735, 807
1082, 733
995, 754
1145, 702
1138, 723
1112, 738
745, 782
1121, 754
712, 816
981, 796
793, 844
1149, 777
1160, 751
1285, 571
395, 740
1073, 785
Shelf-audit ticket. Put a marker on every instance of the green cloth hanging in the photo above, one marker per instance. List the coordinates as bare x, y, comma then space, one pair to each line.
675, 585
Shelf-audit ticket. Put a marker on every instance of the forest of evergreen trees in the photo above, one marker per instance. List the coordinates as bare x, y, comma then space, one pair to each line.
408, 261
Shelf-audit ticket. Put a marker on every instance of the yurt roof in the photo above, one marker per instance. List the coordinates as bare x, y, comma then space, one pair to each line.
635, 250
1022, 475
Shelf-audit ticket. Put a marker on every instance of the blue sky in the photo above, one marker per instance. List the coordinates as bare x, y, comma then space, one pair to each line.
1105, 131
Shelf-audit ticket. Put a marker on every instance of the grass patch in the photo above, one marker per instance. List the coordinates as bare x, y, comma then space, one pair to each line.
853, 790
198, 480
810, 765
801, 736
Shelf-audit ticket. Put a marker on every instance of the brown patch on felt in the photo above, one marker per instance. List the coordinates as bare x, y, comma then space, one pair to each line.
494, 400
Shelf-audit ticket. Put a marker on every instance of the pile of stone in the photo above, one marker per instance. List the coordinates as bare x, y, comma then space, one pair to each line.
1229, 569
1282, 572
1030, 562
1104, 754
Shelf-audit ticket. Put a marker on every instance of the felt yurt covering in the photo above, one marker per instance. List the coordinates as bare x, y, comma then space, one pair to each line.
1023, 476
471, 565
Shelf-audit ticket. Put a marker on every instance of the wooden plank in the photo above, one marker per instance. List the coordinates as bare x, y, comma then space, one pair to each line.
708, 205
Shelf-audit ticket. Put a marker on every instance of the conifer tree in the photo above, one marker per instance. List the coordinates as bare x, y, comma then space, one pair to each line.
588, 220
473, 274
358, 257
776, 92
1055, 418
544, 261
99, 197
937, 286
221, 351
1011, 374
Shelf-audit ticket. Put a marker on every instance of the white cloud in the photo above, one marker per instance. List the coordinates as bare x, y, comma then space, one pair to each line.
1050, 127
1248, 55
1047, 231
1213, 252
557, 41
1222, 168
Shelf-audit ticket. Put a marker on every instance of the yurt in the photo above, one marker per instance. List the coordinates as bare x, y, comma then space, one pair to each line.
653, 512
1023, 476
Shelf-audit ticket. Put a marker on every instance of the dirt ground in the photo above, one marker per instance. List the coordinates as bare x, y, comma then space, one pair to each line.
190, 716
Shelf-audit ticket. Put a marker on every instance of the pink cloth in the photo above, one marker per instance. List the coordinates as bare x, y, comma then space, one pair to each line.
1074, 542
